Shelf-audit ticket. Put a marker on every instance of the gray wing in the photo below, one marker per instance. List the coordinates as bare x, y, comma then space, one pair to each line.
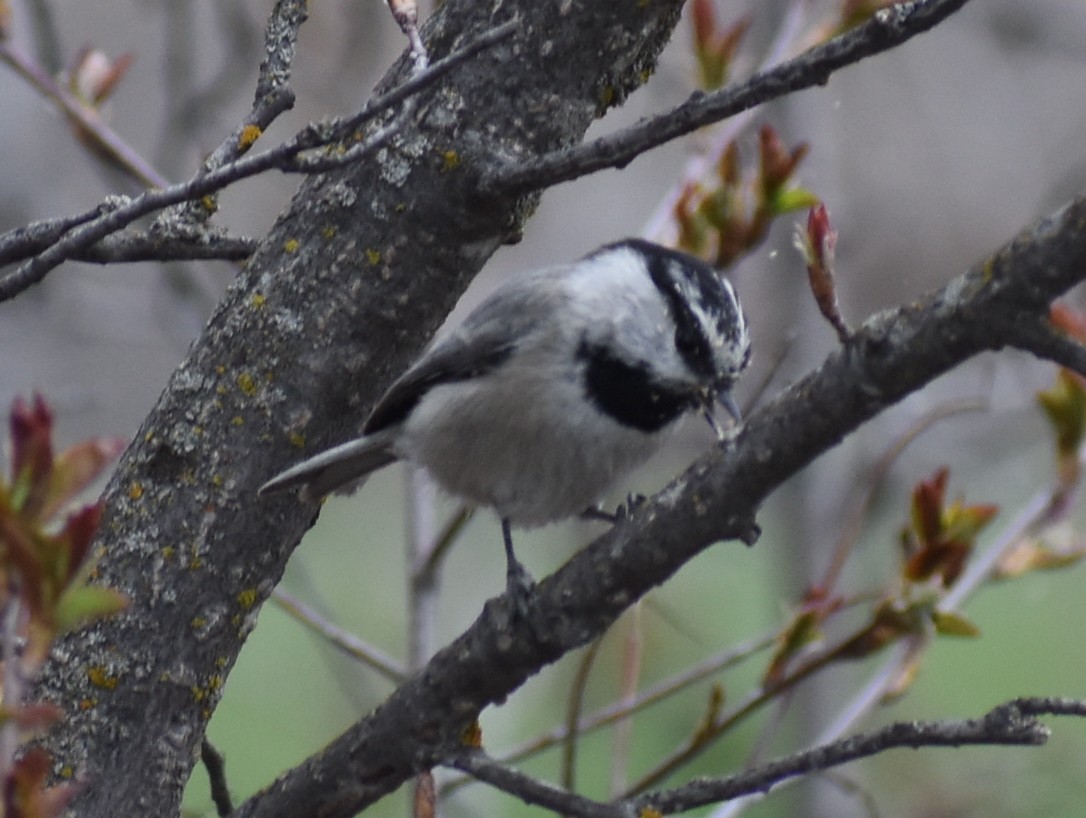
486, 339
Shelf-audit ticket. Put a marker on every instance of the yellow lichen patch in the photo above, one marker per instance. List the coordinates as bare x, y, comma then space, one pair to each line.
472, 736
237, 420
297, 440
168, 552
373, 257
217, 481
135, 491
210, 202
450, 160
100, 677
247, 598
198, 622
87, 704
201, 693
329, 232
249, 134
291, 245
650, 812
258, 300
67, 772
607, 96
195, 564
246, 383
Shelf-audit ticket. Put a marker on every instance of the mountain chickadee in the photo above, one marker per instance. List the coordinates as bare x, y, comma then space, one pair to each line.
553, 388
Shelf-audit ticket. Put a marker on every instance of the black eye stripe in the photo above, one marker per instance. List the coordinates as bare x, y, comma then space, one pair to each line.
690, 339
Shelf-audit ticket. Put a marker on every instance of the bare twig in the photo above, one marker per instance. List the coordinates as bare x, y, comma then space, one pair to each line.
574, 706
646, 698
286, 157
215, 765
886, 29
1013, 723
874, 479
336, 636
104, 140
1039, 337
406, 15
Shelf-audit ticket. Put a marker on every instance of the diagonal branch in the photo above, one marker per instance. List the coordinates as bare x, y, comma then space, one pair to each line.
894, 353
885, 30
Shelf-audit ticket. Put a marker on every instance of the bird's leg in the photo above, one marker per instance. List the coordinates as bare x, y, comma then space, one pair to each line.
623, 511
518, 582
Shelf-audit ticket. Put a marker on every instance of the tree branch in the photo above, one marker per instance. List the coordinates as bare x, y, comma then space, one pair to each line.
887, 28
893, 354
1011, 723
119, 212
1038, 336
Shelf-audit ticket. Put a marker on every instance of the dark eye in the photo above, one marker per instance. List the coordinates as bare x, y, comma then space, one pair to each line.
686, 342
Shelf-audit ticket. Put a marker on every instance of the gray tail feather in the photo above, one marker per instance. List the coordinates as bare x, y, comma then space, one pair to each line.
341, 467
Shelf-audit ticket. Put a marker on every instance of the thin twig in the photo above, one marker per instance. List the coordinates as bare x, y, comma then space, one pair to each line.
885, 30
574, 706
285, 157
874, 479
618, 711
377, 659
105, 141
1039, 337
215, 765
700, 164
1013, 723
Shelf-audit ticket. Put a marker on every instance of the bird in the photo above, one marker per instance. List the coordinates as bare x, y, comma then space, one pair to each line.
553, 389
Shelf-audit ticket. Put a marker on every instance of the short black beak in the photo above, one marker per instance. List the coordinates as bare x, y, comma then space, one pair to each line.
724, 398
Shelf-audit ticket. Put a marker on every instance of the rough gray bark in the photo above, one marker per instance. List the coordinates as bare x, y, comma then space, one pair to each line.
342, 293
348, 285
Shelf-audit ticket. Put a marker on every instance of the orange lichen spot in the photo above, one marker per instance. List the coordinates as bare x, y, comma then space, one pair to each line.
246, 383
100, 677
472, 736
291, 245
249, 134
135, 491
